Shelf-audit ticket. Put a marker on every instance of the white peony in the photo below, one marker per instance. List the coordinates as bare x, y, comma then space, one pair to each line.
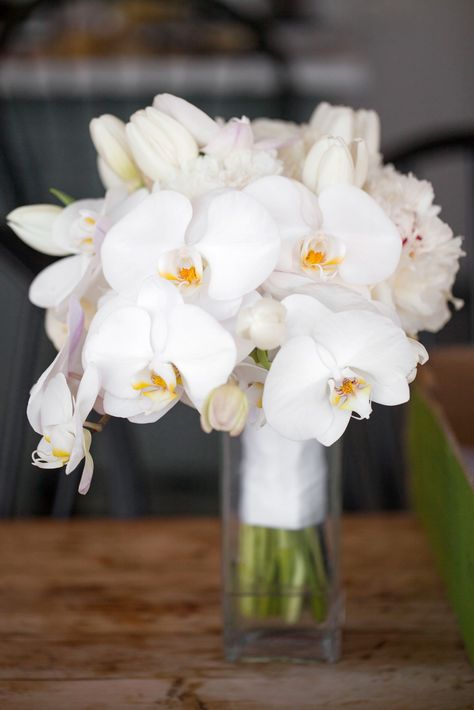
421, 288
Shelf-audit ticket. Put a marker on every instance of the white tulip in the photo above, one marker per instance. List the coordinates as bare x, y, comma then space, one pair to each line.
349, 125
110, 140
199, 124
263, 324
333, 367
34, 225
160, 145
331, 162
234, 135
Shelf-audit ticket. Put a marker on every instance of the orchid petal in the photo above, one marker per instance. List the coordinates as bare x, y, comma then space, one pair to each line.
202, 350
55, 283
375, 347
293, 207
296, 394
372, 241
156, 225
56, 405
240, 244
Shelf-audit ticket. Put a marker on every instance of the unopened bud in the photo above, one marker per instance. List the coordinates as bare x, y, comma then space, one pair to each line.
263, 324
110, 140
225, 409
159, 143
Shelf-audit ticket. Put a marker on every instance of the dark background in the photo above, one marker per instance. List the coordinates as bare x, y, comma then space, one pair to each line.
62, 63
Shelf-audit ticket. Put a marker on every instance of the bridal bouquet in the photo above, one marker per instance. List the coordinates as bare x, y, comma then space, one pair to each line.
273, 276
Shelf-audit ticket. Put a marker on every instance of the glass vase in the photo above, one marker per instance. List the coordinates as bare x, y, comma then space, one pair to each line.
281, 509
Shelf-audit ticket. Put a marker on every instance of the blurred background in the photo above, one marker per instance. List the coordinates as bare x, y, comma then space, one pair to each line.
62, 63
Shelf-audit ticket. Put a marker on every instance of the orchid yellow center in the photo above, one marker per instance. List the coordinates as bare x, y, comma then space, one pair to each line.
155, 387
321, 254
189, 275
350, 387
314, 257
60, 454
182, 266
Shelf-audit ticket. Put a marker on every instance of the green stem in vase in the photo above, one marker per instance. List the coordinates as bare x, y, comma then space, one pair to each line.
277, 568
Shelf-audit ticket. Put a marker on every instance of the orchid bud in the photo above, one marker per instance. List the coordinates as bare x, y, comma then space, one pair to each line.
159, 143
263, 324
225, 409
34, 225
110, 140
329, 162
236, 134
199, 124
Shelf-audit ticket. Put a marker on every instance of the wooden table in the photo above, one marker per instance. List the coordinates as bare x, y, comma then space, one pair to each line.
116, 614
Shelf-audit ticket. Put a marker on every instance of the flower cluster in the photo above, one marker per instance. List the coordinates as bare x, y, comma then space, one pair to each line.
259, 272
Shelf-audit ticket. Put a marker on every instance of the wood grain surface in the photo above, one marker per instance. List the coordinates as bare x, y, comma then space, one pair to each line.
124, 614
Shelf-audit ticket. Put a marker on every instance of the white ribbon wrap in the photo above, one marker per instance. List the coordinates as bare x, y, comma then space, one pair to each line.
283, 482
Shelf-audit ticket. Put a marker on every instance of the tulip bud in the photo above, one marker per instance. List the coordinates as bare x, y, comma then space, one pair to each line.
110, 140
368, 128
236, 134
263, 324
331, 162
159, 143
343, 122
34, 225
225, 409
337, 121
199, 124
360, 159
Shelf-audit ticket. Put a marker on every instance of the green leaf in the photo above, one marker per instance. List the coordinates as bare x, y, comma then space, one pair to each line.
62, 196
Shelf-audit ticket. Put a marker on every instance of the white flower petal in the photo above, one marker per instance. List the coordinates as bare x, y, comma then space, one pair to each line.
302, 314
55, 283
240, 244
202, 350
293, 207
56, 405
156, 225
296, 394
198, 123
34, 225
372, 241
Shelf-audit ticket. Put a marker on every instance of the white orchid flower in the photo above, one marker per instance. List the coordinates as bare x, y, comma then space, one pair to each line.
78, 230
343, 122
224, 245
343, 233
55, 449
149, 350
333, 162
333, 367
199, 124
110, 140
160, 144
34, 225
67, 362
